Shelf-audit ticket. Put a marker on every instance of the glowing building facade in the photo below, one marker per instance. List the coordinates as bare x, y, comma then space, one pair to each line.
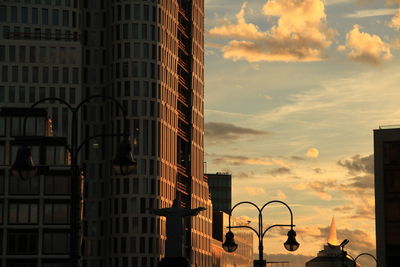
149, 56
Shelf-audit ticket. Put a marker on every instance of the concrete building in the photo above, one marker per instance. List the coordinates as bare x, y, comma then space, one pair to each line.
221, 191
387, 195
34, 213
243, 255
149, 56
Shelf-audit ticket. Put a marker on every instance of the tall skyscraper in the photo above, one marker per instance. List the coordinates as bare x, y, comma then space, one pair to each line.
221, 191
149, 56
387, 195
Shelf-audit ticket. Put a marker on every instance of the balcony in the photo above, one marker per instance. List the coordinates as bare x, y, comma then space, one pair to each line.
182, 170
182, 188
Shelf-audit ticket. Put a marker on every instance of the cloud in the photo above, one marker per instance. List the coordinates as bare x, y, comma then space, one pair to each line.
371, 13
364, 47
312, 153
300, 35
393, 2
358, 164
395, 22
254, 191
297, 158
220, 131
243, 160
241, 29
279, 171
318, 188
318, 170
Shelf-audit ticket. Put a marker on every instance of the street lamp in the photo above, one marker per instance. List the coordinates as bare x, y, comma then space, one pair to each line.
291, 244
123, 164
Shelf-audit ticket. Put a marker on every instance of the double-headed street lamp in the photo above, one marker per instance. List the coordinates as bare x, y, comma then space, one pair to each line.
291, 244
123, 164
345, 254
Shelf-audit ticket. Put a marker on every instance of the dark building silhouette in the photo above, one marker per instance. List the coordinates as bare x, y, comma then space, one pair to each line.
220, 185
387, 195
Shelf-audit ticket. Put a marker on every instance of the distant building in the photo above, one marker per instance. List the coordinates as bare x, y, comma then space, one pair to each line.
331, 255
34, 213
387, 195
220, 185
243, 256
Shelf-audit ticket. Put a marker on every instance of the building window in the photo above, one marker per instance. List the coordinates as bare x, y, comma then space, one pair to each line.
57, 185
24, 15
22, 213
22, 95
45, 16
55, 242
65, 18
22, 242
34, 16
56, 213
55, 17
23, 187
14, 16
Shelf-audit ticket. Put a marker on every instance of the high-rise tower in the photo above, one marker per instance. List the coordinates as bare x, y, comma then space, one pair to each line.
387, 195
149, 56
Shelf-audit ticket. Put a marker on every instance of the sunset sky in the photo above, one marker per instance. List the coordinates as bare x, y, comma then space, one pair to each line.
293, 91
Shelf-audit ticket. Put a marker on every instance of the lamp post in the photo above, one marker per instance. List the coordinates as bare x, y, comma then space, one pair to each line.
291, 244
123, 164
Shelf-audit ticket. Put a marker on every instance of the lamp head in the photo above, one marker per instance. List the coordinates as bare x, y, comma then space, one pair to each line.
344, 243
24, 167
124, 163
291, 244
229, 245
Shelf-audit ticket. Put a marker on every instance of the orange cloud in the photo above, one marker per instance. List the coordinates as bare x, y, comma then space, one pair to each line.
254, 191
241, 29
364, 47
395, 22
301, 33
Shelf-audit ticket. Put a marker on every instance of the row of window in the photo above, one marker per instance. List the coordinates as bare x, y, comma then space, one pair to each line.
33, 15
34, 74
46, 2
26, 242
39, 34
135, 70
43, 54
28, 213
121, 32
53, 185
32, 94
123, 12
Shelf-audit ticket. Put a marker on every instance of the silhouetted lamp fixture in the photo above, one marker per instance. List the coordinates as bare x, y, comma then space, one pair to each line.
229, 245
291, 244
124, 163
23, 166
344, 243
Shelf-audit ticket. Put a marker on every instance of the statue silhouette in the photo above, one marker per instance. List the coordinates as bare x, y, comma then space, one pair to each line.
175, 227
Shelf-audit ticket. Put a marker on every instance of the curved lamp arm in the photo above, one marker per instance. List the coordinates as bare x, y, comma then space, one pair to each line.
121, 107
93, 137
368, 254
243, 202
281, 202
47, 99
